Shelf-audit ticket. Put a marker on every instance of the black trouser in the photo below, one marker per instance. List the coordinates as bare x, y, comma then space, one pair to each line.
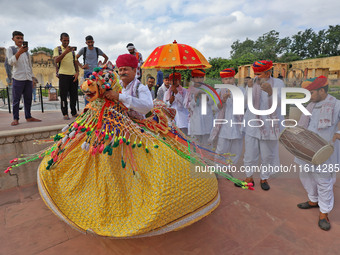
68, 87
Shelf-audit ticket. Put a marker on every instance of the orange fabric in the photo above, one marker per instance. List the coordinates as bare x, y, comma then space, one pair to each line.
178, 56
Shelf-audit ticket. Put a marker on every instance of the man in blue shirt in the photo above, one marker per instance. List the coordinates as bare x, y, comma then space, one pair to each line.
90, 57
159, 80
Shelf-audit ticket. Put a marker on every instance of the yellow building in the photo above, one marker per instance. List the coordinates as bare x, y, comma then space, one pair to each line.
297, 71
247, 70
43, 68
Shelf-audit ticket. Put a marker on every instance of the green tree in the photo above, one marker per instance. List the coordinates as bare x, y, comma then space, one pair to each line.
302, 43
332, 41
238, 49
289, 57
47, 50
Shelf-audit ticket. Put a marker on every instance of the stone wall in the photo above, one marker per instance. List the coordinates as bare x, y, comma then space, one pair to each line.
15, 143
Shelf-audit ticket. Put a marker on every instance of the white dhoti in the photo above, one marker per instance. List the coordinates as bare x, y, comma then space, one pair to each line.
319, 187
232, 146
267, 149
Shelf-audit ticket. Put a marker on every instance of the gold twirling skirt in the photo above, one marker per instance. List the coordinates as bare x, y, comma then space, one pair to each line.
94, 194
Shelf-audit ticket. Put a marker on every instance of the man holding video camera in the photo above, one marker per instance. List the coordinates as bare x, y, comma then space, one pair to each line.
18, 58
67, 72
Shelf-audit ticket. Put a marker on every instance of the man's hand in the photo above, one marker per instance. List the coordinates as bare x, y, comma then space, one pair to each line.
23, 49
111, 95
225, 96
198, 94
75, 77
336, 136
86, 66
174, 89
20, 51
266, 87
172, 99
68, 49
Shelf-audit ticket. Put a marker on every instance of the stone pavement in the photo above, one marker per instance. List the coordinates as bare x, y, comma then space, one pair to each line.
246, 222
51, 116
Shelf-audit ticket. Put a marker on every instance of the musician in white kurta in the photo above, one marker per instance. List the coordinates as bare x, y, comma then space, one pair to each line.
230, 136
318, 180
174, 97
199, 125
262, 132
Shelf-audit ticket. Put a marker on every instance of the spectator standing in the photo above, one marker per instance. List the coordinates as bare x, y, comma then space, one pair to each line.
90, 57
20, 60
151, 84
164, 88
159, 81
68, 71
132, 50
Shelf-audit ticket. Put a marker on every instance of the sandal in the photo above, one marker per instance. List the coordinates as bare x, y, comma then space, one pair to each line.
306, 205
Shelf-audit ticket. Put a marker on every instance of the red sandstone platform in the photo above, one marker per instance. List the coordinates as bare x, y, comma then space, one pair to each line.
246, 222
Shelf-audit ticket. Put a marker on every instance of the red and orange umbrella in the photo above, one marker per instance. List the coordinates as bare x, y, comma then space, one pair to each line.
176, 56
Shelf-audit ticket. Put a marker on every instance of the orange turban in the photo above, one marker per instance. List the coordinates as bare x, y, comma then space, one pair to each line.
178, 76
228, 72
197, 73
315, 83
262, 66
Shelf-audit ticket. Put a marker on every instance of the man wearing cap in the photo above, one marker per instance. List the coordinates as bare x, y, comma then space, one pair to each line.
229, 136
261, 137
133, 51
164, 88
174, 97
318, 180
199, 125
135, 95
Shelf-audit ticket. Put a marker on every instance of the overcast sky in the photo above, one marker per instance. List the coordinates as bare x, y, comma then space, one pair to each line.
211, 26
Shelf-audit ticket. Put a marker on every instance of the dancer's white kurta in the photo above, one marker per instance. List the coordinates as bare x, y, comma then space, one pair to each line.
199, 125
182, 114
262, 142
230, 137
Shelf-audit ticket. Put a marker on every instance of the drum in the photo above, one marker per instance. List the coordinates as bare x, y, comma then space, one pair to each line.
306, 145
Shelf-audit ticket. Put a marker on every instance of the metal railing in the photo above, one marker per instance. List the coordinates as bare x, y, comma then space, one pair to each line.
42, 94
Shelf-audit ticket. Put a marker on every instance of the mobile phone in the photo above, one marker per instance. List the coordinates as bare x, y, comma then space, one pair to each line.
74, 48
25, 43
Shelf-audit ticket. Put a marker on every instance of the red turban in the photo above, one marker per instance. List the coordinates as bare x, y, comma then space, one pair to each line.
262, 66
178, 76
127, 60
197, 73
315, 83
228, 72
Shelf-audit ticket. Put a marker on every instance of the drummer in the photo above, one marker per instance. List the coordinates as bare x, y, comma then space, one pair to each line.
262, 141
318, 180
